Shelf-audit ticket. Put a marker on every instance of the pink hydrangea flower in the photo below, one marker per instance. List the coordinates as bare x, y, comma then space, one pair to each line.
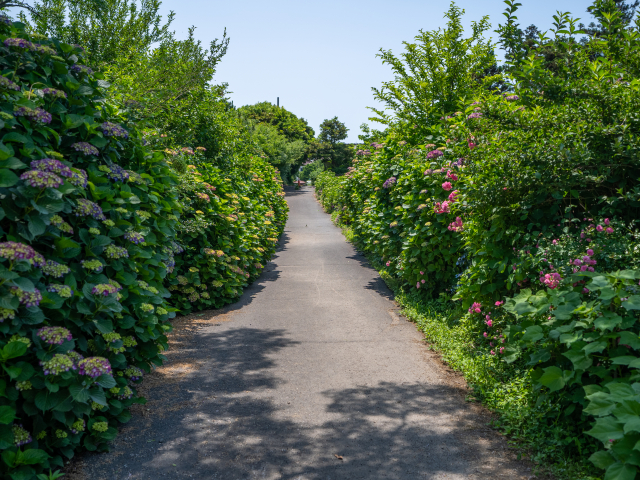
485, 334
452, 175
489, 323
498, 303
388, 263
476, 307
590, 252
599, 228
447, 186
453, 196
609, 230
422, 281
606, 221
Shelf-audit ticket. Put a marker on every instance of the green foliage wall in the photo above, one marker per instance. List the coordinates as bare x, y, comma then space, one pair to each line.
88, 216
96, 228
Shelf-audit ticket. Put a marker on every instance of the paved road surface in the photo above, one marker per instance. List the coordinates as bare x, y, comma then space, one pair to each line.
312, 375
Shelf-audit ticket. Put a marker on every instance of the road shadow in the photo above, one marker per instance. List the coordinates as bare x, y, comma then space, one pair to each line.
210, 424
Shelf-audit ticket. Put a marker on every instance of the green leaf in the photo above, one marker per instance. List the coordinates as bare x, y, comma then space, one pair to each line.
9, 457
6, 151
632, 425
633, 303
608, 322
594, 347
97, 395
533, 334
7, 414
620, 471
14, 137
606, 429
631, 339
600, 404
579, 360
33, 457
79, 393
552, 378
106, 381
13, 350
7, 178
602, 459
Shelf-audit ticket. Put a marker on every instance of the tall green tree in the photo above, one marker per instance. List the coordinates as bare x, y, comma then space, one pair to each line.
287, 123
328, 148
435, 72
108, 29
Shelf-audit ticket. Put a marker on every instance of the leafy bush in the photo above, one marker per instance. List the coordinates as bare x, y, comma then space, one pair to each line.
229, 229
583, 342
87, 219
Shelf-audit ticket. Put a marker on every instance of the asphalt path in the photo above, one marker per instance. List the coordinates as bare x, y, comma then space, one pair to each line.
313, 374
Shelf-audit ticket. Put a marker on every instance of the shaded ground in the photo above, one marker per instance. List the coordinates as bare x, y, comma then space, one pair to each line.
312, 376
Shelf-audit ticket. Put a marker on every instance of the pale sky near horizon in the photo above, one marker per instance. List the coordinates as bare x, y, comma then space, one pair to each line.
320, 57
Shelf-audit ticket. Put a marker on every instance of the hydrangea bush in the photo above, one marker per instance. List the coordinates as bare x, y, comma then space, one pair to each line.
229, 229
87, 219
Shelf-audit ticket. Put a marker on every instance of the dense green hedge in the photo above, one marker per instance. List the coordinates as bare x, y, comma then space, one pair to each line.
229, 228
95, 229
88, 219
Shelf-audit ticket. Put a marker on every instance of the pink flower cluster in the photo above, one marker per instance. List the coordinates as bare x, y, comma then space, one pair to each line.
584, 262
453, 196
551, 280
451, 175
475, 307
442, 207
456, 226
447, 186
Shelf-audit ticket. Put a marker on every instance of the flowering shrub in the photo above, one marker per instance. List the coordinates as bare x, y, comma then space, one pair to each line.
584, 346
229, 229
74, 254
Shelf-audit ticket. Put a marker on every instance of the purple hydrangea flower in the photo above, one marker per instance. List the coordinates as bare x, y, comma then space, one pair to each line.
28, 299
33, 114
81, 69
94, 367
75, 356
63, 290
177, 249
20, 43
20, 435
55, 269
78, 426
40, 179
134, 373
53, 166
511, 98
5, 19
434, 154
60, 363
389, 182
86, 148
79, 178
14, 251
125, 393
44, 49
88, 208
54, 93
475, 115
105, 289
54, 335
8, 84
114, 130
113, 251
117, 173
134, 237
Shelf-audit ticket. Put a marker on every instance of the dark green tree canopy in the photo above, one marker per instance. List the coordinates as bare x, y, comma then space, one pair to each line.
287, 123
332, 131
